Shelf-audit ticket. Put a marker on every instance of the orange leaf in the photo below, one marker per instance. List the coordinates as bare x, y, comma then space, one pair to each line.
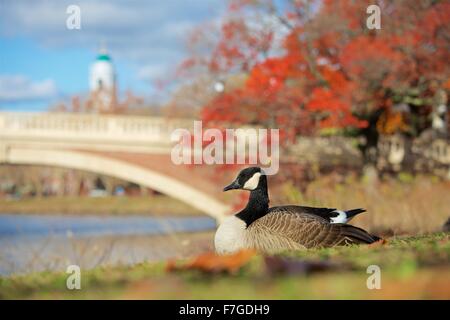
212, 263
378, 243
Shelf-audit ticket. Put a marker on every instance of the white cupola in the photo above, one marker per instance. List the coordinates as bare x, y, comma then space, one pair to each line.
102, 74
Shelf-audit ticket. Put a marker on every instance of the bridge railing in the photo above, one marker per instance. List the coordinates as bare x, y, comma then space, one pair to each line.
89, 126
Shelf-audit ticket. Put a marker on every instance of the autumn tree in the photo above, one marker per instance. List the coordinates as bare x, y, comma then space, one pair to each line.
314, 66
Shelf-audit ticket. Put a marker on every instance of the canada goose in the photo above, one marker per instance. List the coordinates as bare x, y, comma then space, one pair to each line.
277, 229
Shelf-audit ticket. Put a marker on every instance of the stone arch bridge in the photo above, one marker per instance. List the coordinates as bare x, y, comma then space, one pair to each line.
135, 149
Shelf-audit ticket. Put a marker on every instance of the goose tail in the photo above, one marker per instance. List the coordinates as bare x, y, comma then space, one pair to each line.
358, 235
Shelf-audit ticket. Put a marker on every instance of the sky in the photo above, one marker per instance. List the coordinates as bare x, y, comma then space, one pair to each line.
42, 61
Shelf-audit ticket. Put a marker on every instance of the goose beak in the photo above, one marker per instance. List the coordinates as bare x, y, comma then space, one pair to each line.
233, 185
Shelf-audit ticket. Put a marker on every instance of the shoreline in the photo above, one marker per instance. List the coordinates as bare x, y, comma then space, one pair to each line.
112, 206
103, 250
107, 251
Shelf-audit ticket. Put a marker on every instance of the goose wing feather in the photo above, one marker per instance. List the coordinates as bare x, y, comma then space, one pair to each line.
321, 212
290, 227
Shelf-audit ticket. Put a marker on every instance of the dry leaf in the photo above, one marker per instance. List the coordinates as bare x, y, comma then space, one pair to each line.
212, 263
377, 244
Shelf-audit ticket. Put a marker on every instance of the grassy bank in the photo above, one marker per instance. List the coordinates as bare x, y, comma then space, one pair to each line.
150, 205
411, 268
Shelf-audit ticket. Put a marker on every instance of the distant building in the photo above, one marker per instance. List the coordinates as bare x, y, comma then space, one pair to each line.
103, 91
102, 84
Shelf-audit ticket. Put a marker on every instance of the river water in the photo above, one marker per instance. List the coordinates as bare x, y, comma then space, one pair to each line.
31, 243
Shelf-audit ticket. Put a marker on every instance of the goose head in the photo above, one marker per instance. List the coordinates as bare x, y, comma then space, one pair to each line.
250, 179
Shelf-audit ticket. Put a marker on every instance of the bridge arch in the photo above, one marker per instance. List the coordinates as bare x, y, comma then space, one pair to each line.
119, 169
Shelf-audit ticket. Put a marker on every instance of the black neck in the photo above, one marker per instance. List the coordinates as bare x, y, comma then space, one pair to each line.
258, 203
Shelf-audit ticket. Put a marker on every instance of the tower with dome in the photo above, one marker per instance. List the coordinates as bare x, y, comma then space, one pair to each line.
102, 84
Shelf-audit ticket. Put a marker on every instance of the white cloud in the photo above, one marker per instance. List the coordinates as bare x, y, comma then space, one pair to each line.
20, 88
147, 33
152, 71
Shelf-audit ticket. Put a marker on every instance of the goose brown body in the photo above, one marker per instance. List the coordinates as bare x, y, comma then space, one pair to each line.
288, 228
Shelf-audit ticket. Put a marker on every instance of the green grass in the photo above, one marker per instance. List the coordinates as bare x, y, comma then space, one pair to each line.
148, 205
411, 268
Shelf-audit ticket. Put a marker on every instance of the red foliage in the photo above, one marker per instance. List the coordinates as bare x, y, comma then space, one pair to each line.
333, 71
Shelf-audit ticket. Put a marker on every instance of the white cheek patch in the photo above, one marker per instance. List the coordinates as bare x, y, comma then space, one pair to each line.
253, 182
